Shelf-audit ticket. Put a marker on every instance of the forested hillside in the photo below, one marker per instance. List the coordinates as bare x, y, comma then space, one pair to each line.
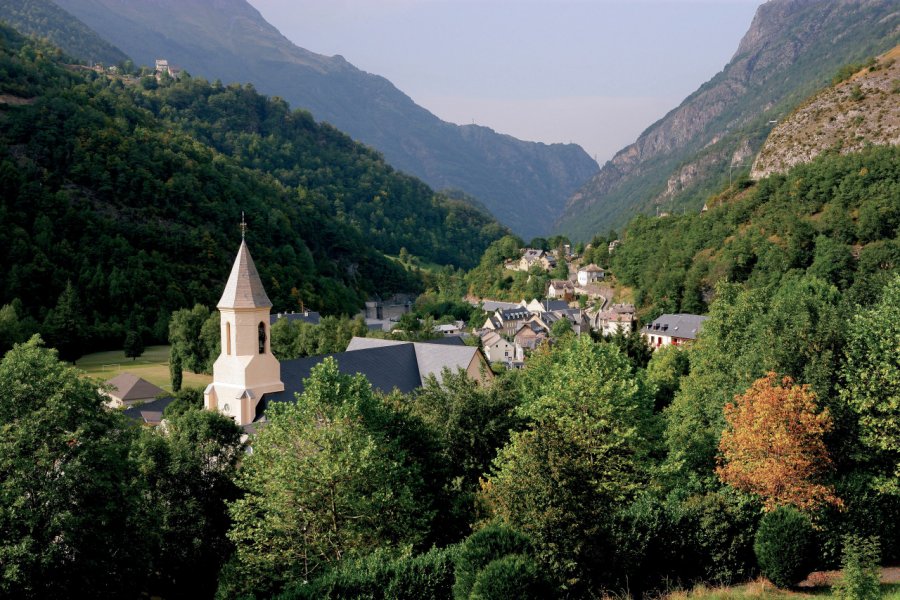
105, 188
231, 41
837, 218
44, 19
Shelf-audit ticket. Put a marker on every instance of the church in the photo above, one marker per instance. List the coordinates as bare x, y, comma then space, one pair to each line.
247, 377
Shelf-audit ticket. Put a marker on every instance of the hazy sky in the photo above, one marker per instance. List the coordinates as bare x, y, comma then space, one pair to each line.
594, 72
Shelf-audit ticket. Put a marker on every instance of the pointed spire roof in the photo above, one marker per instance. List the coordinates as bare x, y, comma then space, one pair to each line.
244, 288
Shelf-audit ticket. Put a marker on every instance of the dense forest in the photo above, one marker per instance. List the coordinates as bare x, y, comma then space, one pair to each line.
837, 218
122, 204
768, 446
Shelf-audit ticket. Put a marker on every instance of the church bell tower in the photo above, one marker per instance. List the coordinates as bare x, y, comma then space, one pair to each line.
246, 369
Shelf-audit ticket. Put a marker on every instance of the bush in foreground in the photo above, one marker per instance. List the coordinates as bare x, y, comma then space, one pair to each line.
784, 546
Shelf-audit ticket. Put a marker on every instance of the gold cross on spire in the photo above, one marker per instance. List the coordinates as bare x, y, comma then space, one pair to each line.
243, 226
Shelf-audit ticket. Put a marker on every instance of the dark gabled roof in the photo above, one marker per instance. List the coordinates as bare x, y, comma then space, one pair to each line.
682, 326
514, 314
244, 288
149, 413
386, 367
310, 316
551, 305
387, 364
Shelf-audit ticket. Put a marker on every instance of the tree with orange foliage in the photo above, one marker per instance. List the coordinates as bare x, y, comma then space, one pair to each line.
773, 445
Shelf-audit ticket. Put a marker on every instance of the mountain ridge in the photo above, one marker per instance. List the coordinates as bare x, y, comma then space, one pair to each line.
513, 178
791, 48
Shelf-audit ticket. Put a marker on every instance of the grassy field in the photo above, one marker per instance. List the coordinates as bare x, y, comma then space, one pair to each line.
152, 366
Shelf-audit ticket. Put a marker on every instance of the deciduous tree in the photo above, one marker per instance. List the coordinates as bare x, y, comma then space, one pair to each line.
871, 376
773, 445
323, 483
70, 503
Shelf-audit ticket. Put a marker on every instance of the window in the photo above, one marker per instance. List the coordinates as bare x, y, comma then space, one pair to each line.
227, 337
262, 338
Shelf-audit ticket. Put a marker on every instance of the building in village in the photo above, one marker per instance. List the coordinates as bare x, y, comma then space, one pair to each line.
127, 389
497, 349
590, 274
562, 289
247, 377
672, 330
616, 318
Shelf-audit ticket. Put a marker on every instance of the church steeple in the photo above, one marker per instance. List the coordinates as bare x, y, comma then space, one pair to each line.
246, 368
244, 288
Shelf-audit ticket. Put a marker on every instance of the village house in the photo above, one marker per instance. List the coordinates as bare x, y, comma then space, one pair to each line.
126, 389
507, 321
540, 306
561, 288
590, 274
531, 257
618, 317
496, 348
531, 335
672, 330
449, 329
164, 68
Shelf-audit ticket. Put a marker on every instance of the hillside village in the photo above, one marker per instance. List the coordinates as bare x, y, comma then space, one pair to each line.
396, 396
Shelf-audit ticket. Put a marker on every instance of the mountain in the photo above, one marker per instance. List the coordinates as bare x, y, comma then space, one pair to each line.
860, 111
122, 198
45, 19
524, 184
792, 48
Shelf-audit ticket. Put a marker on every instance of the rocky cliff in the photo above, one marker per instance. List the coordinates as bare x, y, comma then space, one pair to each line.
792, 48
860, 111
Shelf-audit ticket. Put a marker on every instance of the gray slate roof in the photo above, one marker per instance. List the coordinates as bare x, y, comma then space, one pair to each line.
387, 364
244, 288
493, 305
310, 316
150, 413
514, 314
681, 325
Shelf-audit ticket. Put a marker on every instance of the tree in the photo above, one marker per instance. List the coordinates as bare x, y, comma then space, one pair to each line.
773, 445
324, 482
175, 369
666, 368
65, 325
583, 457
871, 375
189, 465
70, 503
560, 328
188, 340
469, 423
134, 345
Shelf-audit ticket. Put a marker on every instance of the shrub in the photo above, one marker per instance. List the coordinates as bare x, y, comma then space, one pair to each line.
424, 577
379, 575
861, 579
784, 546
513, 576
482, 548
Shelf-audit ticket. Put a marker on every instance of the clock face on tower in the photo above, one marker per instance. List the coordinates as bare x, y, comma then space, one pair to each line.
226, 408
